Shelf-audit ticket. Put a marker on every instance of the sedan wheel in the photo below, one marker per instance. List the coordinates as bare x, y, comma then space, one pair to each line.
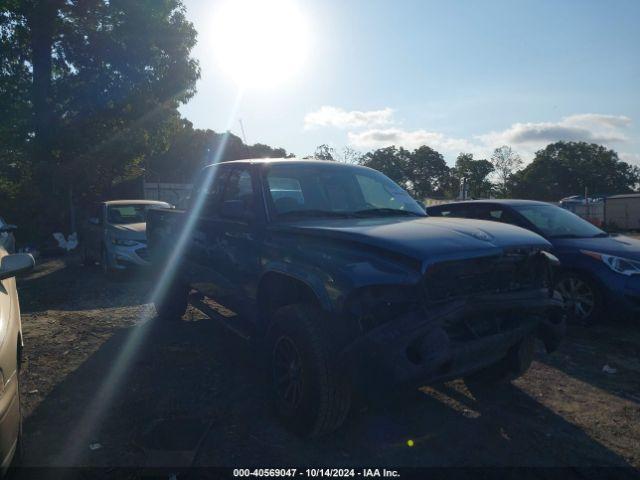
580, 297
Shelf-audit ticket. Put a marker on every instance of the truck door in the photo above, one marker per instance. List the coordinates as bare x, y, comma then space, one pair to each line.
241, 217
201, 259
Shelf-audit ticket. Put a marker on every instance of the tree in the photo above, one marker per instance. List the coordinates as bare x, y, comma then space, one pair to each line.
104, 81
428, 173
567, 168
324, 152
191, 149
422, 173
474, 173
391, 161
505, 163
328, 153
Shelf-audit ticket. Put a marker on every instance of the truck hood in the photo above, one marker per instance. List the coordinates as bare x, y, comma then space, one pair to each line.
130, 231
424, 238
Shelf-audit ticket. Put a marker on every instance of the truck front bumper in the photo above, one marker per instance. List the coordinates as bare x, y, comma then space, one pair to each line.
451, 341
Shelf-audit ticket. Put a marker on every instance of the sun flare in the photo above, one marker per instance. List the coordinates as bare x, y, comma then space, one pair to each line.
259, 43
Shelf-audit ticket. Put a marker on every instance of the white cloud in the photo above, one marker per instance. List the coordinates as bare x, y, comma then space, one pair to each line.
375, 129
378, 138
587, 127
328, 116
632, 158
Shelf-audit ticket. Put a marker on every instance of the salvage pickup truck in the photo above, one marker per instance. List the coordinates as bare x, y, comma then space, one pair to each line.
351, 290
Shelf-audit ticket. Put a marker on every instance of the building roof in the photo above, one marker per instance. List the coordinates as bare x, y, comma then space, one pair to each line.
625, 195
134, 202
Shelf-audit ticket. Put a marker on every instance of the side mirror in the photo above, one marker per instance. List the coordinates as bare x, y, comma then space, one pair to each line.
8, 228
94, 221
234, 209
12, 265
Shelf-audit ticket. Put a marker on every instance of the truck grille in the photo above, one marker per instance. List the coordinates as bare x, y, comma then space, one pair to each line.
513, 271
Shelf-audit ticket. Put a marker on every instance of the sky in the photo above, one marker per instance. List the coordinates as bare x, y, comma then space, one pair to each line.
459, 76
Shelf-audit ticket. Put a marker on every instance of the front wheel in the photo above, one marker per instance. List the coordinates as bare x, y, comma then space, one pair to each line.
310, 394
173, 303
582, 298
513, 365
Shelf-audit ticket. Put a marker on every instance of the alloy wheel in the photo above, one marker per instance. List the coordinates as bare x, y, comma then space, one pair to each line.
287, 372
578, 296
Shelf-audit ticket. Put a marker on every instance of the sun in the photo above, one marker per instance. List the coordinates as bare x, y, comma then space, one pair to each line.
259, 43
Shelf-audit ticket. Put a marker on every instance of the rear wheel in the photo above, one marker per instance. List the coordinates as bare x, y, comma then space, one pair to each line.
513, 365
87, 261
309, 392
173, 304
106, 267
582, 298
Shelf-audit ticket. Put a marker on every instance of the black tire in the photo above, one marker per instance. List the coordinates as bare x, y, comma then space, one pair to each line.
104, 264
310, 393
513, 365
582, 297
173, 304
87, 261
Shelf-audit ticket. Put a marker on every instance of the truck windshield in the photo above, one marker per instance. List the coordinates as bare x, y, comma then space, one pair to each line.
556, 222
336, 191
133, 213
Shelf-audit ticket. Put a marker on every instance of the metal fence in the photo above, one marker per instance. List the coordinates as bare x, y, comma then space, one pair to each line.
176, 194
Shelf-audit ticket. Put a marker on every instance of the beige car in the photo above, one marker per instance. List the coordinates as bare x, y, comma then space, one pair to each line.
10, 351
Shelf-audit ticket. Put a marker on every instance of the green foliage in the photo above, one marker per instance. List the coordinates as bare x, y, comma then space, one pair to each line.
328, 153
567, 168
422, 172
324, 152
474, 173
506, 163
189, 149
91, 89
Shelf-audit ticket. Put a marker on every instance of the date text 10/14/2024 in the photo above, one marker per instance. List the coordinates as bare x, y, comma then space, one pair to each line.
316, 472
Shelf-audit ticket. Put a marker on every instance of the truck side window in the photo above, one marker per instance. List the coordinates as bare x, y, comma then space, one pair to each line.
238, 193
209, 188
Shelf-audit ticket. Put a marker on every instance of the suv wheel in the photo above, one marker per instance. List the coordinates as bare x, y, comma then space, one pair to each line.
582, 298
513, 365
173, 304
309, 393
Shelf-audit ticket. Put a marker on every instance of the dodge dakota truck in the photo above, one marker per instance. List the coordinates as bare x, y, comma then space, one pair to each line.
351, 290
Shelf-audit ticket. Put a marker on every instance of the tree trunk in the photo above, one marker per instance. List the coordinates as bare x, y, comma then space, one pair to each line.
41, 17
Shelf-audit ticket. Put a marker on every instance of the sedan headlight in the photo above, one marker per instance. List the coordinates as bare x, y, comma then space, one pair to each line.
123, 242
621, 265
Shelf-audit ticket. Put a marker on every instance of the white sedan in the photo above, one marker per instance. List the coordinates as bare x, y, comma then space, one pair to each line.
10, 351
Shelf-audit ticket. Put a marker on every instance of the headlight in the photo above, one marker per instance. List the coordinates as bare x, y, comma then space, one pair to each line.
621, 265
553, 260
123, 242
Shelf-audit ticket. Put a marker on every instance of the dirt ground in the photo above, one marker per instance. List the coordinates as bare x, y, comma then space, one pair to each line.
105, 385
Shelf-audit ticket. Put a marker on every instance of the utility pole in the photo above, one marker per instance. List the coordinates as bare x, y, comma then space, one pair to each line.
244, 138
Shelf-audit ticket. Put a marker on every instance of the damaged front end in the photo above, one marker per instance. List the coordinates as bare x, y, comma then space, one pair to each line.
463, 316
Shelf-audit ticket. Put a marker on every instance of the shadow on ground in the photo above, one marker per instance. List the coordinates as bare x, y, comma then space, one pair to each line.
587, 350
66, 284
198, 370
